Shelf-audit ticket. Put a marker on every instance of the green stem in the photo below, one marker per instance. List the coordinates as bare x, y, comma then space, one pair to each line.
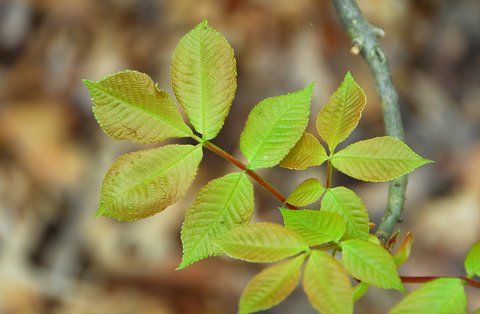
364, 38
252, 174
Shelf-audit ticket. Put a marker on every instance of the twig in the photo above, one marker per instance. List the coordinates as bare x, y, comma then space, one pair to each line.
272, 190
364, 38
424, 279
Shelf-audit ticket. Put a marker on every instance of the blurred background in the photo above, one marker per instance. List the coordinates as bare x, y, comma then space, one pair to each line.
55, 257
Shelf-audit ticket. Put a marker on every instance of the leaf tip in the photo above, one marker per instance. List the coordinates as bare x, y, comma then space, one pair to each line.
203, 24
88, 83
309, 87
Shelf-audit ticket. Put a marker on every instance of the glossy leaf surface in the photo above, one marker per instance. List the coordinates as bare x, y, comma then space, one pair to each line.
377, 159
221, 205
144, 183
271, 286
128, 106
274, 126
204, 78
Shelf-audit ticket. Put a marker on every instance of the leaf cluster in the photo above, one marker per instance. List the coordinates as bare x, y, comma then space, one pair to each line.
129, 106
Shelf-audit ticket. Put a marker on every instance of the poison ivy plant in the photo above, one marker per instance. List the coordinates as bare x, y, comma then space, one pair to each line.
331, 245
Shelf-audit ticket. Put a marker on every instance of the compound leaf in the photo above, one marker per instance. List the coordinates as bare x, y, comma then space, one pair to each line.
144, 183
327, 284
348, 205
262, 242
307, 192
308, 152
440, 296
370, 263
274, 126
221, 205
128, 106
316, 227
271, 286
472, 260
204, 78
377, 159
339, 117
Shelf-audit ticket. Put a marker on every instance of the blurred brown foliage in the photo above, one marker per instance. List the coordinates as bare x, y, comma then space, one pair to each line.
55, 257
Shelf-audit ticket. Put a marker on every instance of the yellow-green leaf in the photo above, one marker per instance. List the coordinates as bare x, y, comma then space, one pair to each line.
308, 152
221, 205
327, 284
274, 126
403, 252
339, 117
128, 106
441, 296
262, 242
472, 260
348, 205
144, 183
377, 159
271, 286
315, 226
370, 263
204, 78
359, 290
307, 192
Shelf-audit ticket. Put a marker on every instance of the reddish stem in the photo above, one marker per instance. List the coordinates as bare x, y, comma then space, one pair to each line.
217, 150
424, 279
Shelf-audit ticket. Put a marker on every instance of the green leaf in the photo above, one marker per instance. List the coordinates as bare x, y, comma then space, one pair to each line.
315, 227
144, 183
403, 252
339, 117
274, 126
308, 192
370, 263
221, 205
441, 296
359, 290
128, 106
204, 78
472, 260
377, 159
349, 205
327, 284
262, 242
271, 286
308, 152
477, 311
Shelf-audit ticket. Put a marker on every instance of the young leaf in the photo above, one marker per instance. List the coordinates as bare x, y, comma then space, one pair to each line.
370, 263
144, 183
441, 296
472, 261
271, 286
359, 290
377, 159
204, 78
274, 126
340, 115
315, 227
308, 152
128, 106
221, 205
403, 252
346, 203
308, 192
327, 284
262, 242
